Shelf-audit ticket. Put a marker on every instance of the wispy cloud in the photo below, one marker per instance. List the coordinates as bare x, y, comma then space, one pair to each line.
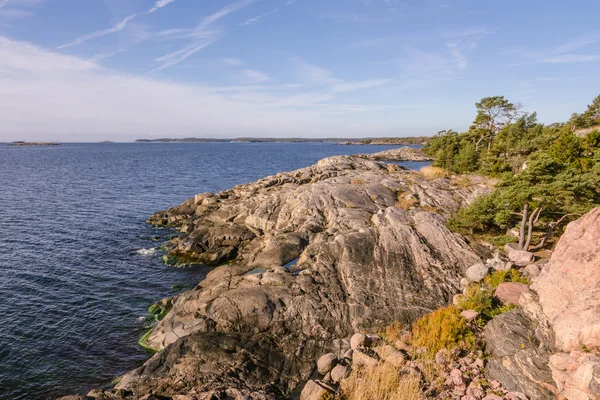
563, 53
202, 36
258, 18
160, 4
116, 28
316, 75
234, 62
344, 87
459, 58
290, 2
254, 77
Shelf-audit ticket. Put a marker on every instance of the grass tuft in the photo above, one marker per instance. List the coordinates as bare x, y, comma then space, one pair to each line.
380, 382
430, 172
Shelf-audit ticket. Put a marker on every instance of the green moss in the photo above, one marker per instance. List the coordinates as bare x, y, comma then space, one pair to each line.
443, 328
142, 341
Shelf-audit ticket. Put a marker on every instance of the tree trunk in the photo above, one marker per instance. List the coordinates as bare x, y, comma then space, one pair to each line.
532, 220
523, 222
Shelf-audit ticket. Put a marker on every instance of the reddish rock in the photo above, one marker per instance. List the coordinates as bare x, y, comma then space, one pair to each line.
510, 292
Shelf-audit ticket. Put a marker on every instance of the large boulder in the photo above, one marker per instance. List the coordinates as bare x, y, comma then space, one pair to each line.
569, 295
569, 290
557, 333
519, 358
361, 260
510, 292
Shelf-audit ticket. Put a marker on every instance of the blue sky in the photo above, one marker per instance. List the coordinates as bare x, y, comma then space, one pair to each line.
126, 69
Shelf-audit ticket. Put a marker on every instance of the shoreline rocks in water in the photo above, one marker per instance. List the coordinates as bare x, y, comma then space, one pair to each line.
363, 257
364, 260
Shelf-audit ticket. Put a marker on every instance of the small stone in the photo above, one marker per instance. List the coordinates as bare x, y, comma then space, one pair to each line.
391, 355
521, 257
360, 359
477, 272
532, 271
326, 363
457, 299
440, 357
456, 377
510, 292
469, 397
465, 283
313, 391
494, 384
339, 373
359, 340
327, 378
469, 314
348, 355
493, 397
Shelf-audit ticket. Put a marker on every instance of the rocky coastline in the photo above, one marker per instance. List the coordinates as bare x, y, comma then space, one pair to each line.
34, 144
307, 260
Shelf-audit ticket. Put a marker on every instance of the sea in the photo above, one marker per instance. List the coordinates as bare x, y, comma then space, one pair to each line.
79, 266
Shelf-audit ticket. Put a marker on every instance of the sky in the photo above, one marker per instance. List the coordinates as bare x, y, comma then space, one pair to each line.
91, 70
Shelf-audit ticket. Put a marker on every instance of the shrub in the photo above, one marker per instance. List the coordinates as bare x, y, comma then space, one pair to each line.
498, 277
380, 382
477, 298
443, 328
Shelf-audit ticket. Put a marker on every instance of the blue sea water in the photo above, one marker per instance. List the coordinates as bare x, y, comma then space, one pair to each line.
74, 286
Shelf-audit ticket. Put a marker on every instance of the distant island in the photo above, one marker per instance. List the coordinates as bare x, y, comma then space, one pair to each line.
345, 141
20, 143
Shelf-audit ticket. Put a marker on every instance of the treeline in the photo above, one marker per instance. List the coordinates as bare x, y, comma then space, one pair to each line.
547, 173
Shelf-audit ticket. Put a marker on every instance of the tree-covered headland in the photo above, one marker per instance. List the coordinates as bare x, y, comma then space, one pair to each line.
548, 174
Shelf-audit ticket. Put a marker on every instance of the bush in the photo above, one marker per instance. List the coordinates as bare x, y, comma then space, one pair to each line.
498, 277
443, 328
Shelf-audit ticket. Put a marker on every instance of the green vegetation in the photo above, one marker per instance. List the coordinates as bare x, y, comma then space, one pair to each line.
142, 342
480, 297
442, 329
547, 173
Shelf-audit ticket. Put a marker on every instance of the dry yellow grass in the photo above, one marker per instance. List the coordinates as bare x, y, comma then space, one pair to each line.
433, 172
357, 182
405, 200
394, 332
381, 382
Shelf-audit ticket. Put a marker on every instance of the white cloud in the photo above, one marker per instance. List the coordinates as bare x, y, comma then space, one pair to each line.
234, 62
258, 18
460, 61
353, 86
46, 95
314, 74
116, 28
160, 4
254, 76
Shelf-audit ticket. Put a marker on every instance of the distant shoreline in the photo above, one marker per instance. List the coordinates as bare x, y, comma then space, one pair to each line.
34, 144
341, 141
